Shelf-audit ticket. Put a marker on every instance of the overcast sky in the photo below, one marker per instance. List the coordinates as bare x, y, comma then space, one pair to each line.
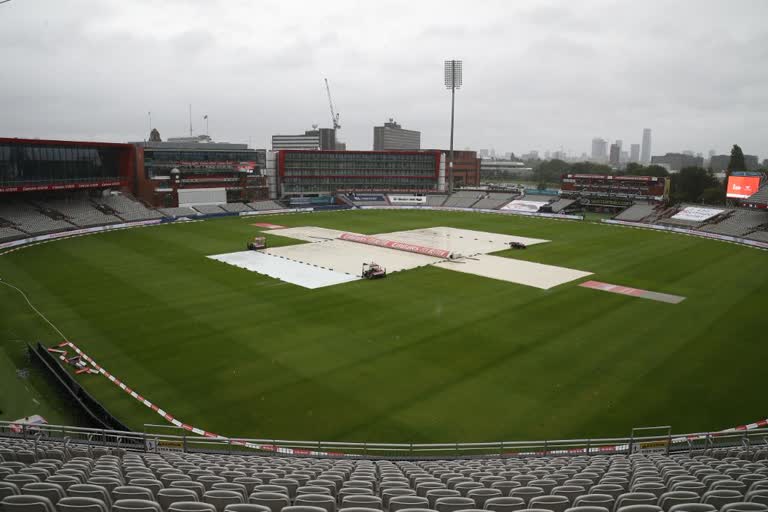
537, 74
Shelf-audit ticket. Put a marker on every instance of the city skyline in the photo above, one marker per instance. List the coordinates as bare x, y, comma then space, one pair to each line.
258, 69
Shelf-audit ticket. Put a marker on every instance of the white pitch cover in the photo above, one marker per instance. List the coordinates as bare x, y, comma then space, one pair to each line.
290, 271
696, 213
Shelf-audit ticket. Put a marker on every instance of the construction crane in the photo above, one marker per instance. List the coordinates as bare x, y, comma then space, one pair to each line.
334, 115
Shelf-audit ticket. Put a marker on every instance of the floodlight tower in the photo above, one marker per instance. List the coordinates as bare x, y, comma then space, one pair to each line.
452, 82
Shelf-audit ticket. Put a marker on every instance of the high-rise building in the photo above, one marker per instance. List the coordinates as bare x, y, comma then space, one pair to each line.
634, 153
392, 136
677, 161
645, 153
599, 149
615, 156
280, 142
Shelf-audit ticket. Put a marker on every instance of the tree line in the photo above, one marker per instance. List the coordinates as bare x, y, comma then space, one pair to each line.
691, 184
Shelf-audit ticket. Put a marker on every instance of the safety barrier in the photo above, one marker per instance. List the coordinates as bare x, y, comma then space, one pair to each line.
691, 232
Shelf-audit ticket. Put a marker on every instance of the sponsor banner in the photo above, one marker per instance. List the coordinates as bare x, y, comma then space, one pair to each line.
63, 186
742, 186
272, 212
408, 199
246, 167
399, 246
633, 292
367, 197
651, 447
524, 206
696, 214
560, 216
693, 232
76, 232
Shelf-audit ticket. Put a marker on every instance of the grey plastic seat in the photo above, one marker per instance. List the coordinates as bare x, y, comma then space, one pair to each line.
480, 496
108, 483
639, 508
388, 494
729, 484
220, 498
303, 508
8, 489
361, 500
132, 492
403, 502
248, 481
545, 484
594, 500
743, 506
757, 496
354, 509
272, 500
20, 479
246, 507
77, 504
720, 497
191, 506
634, 498
324, 501
693, 507
655, 488
587, 508
231, 486
90, 491
147, 483
197, 487
553, 503
166, 497
27, 503
52, 491
454, 503
526, 493
131, 505
209, 480
505, 504
434, 494
569, 491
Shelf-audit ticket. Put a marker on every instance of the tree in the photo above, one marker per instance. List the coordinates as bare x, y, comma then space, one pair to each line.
713, 195
550, 171
690, 183
736, 164
590, 168
656, 170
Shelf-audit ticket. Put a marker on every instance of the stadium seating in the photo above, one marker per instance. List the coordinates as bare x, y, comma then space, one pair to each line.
561, 204
208, 209
436, 200
180, 211
759, 235
25, 217
235, 207
463, 199
8, 234
636, 213
79, 211
265, 205
36, 476
494, 200
128, 209
739, 223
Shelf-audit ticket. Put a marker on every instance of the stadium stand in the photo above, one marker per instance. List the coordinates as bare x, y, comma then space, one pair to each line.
8, 234
79, 211
46, 476
436, 200
235, 207
636, 213
25, 217
266, 205
127, 209
494, 200
561, 204
180, 211
759, 235
208, 209
739, 223
463, 199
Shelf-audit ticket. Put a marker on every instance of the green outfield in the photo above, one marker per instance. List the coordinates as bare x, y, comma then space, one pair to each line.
426, 355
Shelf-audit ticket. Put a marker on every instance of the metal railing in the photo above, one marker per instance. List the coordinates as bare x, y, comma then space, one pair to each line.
183, 441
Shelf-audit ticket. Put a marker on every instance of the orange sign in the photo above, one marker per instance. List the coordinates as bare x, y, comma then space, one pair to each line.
743, 186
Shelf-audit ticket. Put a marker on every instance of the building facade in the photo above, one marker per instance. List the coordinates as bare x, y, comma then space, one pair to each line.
645, 152
615, 156
309, 173
392, 137
719, 163
677, 161
634, 153
599, 150
164, 168
28, 165
466, 168
299, 142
